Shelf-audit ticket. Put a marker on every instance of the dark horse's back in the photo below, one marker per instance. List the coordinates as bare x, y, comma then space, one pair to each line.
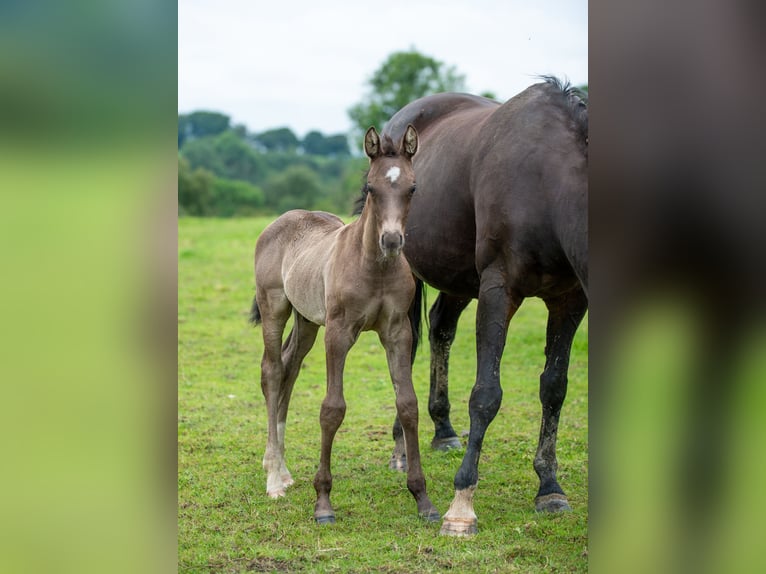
499, 183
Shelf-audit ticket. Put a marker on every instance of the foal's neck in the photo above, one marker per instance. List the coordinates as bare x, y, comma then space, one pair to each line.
367, 234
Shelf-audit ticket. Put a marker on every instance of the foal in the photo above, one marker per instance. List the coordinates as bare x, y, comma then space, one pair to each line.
349, 278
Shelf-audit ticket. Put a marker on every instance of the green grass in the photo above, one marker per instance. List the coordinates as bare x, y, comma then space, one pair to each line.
226, 523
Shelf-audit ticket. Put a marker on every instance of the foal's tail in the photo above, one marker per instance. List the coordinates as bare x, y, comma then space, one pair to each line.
255, 313
417, 310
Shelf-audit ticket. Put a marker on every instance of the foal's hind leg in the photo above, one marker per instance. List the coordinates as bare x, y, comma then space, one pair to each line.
299, 342
564, 316
275, 310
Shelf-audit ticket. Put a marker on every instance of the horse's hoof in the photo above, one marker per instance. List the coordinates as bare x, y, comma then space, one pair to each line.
326, 519
553, 502
398, 463
276, 493
287, 481
431, 515
448, 443
459, 527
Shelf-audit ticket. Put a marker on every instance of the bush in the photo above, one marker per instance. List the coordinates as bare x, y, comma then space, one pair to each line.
194, 189
236, 198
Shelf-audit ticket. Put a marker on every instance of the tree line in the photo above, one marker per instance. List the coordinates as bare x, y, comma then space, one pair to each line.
224, 170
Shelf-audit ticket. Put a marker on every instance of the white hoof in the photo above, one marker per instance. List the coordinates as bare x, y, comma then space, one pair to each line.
460, 519
287, 480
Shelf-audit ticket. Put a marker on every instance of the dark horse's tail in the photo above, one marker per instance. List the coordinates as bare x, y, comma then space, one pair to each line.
417, 310
255, 313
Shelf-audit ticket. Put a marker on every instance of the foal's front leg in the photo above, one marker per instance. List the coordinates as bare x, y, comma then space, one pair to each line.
338, 340
443, 318
397, 340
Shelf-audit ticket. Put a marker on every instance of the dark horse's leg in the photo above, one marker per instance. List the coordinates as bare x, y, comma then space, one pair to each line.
495, 308
338, 340
443, 318
564, 316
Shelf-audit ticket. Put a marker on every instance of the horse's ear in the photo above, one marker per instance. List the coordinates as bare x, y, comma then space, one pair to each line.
410, 142
371, 143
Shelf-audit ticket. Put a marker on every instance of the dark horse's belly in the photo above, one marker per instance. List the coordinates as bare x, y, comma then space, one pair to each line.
440, 249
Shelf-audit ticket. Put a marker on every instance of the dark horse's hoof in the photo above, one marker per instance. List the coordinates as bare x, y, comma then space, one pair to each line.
430, 515
326, 519
448, 443
553, 502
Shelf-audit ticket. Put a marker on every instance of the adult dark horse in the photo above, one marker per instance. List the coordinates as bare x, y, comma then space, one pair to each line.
500, 215
349, 278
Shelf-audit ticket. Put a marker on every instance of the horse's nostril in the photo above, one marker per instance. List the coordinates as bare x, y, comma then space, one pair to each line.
391, 240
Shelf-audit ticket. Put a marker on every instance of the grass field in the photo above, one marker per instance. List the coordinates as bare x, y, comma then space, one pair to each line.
226, 523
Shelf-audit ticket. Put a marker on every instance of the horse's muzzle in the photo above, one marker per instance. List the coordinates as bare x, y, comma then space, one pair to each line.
391, 243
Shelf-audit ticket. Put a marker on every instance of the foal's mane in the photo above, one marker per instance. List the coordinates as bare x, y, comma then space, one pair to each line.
362, 198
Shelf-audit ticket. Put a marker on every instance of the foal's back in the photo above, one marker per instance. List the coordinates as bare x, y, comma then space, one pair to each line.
290, 258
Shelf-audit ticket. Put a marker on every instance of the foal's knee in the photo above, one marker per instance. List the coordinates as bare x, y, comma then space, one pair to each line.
407, 407
332, 412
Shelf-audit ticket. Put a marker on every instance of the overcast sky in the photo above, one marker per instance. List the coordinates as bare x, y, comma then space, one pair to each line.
303, 63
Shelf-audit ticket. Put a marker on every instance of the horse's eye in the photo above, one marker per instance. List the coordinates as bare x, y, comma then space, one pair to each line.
368, 188
413, 189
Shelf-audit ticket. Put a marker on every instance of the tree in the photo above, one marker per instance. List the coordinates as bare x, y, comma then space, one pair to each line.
202, 153
201, 124
194, 189
403, 77
295, 188
313, 143
232, 197
316, 143
280, 139
239, 159
184, 129
337, 145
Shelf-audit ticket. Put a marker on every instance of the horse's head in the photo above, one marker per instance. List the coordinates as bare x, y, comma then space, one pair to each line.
390, 186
